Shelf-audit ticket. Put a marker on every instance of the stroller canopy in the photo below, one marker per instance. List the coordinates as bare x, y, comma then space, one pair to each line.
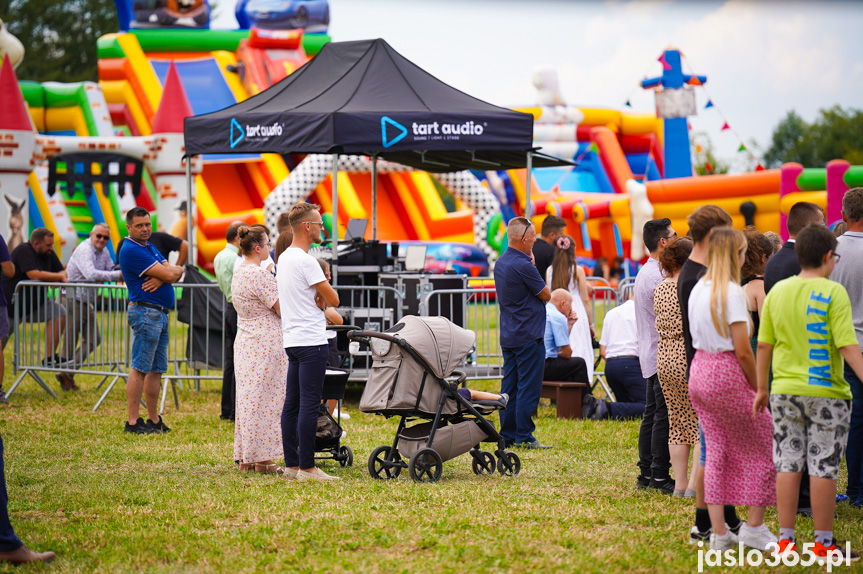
441, 343
399, 384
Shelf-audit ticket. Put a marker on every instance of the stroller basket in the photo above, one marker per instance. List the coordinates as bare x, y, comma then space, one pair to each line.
449, 441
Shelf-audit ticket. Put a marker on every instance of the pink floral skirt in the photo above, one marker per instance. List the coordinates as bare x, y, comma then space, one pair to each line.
739, 468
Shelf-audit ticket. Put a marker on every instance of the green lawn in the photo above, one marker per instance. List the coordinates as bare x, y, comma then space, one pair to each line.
109, 502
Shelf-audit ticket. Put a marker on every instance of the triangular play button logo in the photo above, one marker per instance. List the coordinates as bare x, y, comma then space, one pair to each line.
237, 133
402, 131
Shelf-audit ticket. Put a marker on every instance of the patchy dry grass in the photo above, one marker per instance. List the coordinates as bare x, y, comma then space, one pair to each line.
109, 502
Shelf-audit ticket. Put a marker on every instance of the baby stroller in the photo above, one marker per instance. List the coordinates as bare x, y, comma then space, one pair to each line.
408, 379
328, 435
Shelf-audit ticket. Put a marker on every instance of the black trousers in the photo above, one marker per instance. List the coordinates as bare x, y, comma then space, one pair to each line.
653, 457
8, 540
229, 382
571, 370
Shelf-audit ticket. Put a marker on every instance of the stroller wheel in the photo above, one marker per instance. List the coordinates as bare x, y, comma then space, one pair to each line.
426, 465
509, 464
346, 456
483, 462
382, 466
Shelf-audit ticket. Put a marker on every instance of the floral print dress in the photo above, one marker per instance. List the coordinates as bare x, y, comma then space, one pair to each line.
260, 366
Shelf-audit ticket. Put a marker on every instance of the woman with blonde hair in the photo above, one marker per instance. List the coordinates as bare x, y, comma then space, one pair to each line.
722, 384
566, 273
260, 363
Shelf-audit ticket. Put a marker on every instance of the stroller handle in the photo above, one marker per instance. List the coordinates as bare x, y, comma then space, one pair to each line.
357, 334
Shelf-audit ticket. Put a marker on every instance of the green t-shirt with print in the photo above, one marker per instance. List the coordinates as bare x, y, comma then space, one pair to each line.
807, 321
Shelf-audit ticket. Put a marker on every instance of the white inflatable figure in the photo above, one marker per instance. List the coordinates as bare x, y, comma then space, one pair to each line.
10, 45
640, 212
547, 87
497, 186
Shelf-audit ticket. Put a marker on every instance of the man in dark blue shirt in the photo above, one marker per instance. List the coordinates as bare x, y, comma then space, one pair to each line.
148, 278
521, 294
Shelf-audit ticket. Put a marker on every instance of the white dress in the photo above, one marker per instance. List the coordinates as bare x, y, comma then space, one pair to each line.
580, 340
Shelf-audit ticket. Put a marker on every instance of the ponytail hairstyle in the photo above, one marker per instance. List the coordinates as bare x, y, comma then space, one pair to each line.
250, 237
283, 242
723, 267
564, 265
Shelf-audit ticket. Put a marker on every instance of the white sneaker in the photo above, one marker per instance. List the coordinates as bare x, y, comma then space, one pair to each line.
290, 474
345, 416
758, 537
316, 474
344, 433
722, 543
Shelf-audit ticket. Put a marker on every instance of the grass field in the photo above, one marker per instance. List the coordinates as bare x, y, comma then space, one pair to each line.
109, 502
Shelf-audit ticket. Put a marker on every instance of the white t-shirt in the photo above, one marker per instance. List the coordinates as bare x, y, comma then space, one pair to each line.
619, 334
303, 324
704, 333
264, 264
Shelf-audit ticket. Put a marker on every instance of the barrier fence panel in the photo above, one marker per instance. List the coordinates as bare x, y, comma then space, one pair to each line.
603, 300
82, 329
626, 289
370, 307
476, 310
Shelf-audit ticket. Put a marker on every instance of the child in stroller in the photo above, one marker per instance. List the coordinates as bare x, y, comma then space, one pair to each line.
408, 378
484, 399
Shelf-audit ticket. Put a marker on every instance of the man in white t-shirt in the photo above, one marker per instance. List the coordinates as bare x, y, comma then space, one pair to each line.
304, 294
618, 345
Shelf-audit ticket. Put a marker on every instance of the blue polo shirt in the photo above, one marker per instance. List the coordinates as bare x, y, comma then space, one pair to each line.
135, 260
517, 284
556, 331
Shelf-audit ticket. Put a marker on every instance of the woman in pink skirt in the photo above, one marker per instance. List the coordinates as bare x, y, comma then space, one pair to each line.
739, 469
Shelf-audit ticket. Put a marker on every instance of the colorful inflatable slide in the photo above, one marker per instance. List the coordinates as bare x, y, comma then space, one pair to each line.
616, 151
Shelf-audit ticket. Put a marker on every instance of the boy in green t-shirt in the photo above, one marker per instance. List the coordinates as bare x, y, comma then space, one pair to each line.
806, 321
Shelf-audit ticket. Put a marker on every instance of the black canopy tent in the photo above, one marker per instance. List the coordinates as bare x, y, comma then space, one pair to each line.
365, 98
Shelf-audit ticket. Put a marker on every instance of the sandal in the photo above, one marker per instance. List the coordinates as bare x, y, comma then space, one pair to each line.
246, 466
268, 468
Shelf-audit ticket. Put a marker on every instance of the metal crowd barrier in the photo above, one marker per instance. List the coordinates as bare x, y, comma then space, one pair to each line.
96, 339
370, 307
625, 289
477, 310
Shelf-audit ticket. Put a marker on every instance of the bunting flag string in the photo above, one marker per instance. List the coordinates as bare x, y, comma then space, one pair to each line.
665, 65
637, 87
725, 124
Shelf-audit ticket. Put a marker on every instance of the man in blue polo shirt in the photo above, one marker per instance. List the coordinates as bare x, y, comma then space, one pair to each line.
521, 294
148, 277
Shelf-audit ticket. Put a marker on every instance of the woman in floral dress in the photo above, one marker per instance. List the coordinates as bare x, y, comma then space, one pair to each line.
260, 363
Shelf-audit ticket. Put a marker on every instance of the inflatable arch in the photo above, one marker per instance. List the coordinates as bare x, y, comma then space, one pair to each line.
316, 167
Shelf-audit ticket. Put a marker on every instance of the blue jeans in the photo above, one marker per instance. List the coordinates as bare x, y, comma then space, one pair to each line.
8, 540
629, 387
522, 381
854, 451
306, 369
150, 342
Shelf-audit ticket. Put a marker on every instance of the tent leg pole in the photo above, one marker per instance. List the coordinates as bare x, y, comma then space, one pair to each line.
527, 206
190, 213
334, 238
374, 197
